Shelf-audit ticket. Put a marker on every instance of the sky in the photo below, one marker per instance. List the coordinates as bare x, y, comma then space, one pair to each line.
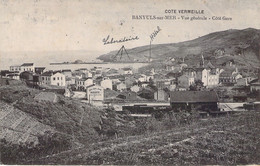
31, 26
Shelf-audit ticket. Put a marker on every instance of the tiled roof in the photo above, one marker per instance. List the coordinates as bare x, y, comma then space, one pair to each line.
49, 73
193, 96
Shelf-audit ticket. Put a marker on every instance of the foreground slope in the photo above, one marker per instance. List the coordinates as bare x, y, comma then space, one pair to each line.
225, 140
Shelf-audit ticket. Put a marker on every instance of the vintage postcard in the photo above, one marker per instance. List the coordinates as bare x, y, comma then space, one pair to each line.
119, 82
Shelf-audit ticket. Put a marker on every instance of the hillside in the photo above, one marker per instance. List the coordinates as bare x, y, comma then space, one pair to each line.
17, 126
228, 140
242, 45
66, 116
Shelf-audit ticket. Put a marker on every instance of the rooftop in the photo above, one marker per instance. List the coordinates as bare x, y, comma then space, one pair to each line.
193, 96
27, 64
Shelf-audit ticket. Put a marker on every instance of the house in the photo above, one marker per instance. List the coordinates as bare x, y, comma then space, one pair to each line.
36, 79
142, 78
70, 80
194, 100
125, 71
14, 76
67, 73
185, 81
121, 86
255, 85
128, 95
39, 70
210, 77
27, 67
83, 72
106, 84
53, 78
15, 68
229, 77
162, 95
95, 93
242, 82
83, 83
135, 88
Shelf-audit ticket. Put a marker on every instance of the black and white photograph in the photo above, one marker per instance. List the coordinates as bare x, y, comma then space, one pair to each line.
120, 82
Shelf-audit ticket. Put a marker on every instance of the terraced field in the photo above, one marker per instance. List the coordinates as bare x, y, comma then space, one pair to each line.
17, 126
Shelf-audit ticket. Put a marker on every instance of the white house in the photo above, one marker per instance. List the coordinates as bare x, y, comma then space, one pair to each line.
53, 78
83, 83
15, 68
106, 84
95, 93
23, 67
27, 67
210, 77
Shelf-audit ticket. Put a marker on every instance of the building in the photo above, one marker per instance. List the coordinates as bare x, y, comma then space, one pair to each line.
229, 77
53, 78
255, 86
95, 93
210, 77
128, 95
106, 84
27, 67
162, 95
83, 83
121, 86
83, 72
14, 76
23, 67
67, 73
194, 100
15, 68
39, 70
185, 81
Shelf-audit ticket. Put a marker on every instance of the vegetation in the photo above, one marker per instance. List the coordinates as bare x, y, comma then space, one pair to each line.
49, 143
228, 140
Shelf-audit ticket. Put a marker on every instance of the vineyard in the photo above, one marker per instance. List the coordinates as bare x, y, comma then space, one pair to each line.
17, 126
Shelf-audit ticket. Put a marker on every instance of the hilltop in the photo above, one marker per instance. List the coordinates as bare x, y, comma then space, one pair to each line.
241, 45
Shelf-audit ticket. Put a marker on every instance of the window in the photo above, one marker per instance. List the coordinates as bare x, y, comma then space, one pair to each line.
53, 78
42, 78
58, 78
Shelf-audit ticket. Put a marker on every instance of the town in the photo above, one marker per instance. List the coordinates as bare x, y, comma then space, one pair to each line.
176, 86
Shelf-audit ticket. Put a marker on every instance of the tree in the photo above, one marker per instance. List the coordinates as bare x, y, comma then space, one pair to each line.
198, 84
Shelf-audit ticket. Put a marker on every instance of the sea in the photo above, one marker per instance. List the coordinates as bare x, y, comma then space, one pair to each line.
134, 66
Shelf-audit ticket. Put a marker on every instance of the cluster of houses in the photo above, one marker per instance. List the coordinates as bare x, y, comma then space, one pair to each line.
124, 84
